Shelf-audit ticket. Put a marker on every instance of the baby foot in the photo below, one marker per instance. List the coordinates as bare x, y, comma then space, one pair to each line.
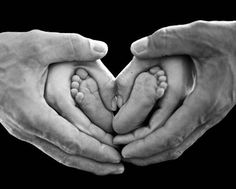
84, 90
148, 88
180, 72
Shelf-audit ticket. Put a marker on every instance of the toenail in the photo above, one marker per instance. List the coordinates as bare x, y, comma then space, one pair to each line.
75, 84
140, 46
119, 101
162, 78
82, 73
114, 103
98, 46
74, 92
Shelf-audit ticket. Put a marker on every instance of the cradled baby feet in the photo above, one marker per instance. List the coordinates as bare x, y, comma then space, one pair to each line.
148, 88
84, 90
180, 72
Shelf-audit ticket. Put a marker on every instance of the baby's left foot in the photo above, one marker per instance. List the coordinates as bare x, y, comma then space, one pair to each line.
84, 89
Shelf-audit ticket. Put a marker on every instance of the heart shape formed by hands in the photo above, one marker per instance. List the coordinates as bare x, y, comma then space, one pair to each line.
89, 94
37, 70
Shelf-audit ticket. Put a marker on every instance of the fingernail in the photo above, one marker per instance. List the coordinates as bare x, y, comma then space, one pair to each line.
119, 101
120, 170
125, 154
140, 45
114, 103
98, 46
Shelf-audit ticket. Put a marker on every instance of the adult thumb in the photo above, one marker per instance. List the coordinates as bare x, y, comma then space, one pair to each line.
67, 47
185, 39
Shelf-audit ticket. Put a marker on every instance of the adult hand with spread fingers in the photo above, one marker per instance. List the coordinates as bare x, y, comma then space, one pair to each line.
211, 47
25, 82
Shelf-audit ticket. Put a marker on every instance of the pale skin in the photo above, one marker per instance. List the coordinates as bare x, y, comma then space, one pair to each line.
49, 124
28, 115
180, 79
59, 82
86, 93
211, 46
148, 88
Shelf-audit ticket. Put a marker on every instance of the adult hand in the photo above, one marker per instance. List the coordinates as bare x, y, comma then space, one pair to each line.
24, 112
211, 45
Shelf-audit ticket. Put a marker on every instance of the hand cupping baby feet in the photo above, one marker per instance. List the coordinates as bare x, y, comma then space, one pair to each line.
153, 95
157, 108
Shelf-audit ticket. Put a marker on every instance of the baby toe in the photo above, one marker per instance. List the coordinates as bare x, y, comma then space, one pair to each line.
74, 92
162, 78
76, 78
79, 97
160, 92
163, 85
82, 73
74, 85
154, 70
160, 73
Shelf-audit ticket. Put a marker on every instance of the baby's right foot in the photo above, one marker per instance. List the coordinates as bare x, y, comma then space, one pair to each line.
148, 88
84, 89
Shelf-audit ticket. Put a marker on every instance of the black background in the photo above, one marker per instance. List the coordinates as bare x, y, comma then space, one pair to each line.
210, 159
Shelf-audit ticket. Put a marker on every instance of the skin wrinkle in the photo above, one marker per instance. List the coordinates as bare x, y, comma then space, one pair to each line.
108, 84
233, 80
65, 159
67, 146
70, 36
8, 123
180, 147
25, 102
68, 72
217, 103
46, 135
222, 79
206, 125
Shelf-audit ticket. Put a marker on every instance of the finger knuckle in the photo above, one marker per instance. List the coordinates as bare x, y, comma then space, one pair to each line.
121, 82
73, 148
33, 36
198, 24
32, 42
161, 33
35, 32
175, 155
174, 141
64, 160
